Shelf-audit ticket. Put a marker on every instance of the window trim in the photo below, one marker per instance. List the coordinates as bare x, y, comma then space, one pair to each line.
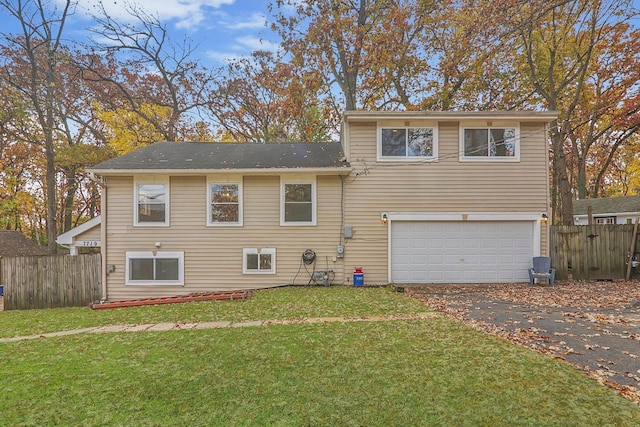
141, 181
314, 205
150, 255
213, 180
255, 251
407, 158
604, 220
488, 126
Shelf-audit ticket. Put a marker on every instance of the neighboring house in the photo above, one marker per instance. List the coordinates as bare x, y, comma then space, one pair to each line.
607, 210
86, 235
14, 243
409, 197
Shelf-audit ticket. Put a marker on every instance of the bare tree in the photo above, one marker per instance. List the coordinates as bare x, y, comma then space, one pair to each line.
152, 70
38, 48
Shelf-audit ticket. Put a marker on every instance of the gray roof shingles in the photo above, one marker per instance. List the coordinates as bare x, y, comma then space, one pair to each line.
607, 205
14, 243
229, 156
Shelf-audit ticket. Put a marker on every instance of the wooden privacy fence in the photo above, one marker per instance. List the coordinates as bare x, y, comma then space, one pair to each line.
592, 252
50, 281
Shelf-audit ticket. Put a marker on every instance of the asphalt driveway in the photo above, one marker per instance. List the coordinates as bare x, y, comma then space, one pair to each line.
594, 326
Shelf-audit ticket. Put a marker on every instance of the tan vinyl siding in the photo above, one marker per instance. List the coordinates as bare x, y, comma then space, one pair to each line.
446, 186
91, 234
213, 255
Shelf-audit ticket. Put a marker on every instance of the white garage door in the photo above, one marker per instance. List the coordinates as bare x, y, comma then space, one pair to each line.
461, 252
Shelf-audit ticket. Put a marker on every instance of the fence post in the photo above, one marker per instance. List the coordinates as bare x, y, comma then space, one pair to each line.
632, 249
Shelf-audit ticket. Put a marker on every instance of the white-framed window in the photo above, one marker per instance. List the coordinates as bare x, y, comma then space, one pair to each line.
262, 261
298, 201
159, 268
492, 143
605, 220
151, 203
407, 143
224, 202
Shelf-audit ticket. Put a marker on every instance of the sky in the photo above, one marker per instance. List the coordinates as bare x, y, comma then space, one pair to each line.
222, 29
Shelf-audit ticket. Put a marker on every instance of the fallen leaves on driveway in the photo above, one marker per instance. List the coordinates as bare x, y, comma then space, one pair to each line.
604, 310
574, 294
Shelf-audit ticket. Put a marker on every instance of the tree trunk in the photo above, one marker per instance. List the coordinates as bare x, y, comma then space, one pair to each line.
70, 193
560, 177
52, 223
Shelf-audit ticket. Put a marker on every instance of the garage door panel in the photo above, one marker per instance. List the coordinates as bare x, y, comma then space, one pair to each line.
491, 259
461, 252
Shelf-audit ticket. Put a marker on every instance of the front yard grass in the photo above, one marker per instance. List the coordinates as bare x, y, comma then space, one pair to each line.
278, 303
391, 373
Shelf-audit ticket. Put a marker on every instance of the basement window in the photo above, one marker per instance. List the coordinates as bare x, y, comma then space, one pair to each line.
161, 268
261, 261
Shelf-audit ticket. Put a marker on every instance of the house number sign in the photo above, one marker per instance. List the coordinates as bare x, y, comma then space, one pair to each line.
88, 243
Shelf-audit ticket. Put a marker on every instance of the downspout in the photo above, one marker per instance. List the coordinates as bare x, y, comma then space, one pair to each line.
103, 233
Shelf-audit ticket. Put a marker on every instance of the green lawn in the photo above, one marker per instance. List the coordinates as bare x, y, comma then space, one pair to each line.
391, 373
280, 303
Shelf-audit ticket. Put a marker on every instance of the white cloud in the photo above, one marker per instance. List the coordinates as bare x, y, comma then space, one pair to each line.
257, 43
186, 12
224, 57
256, 20
246, 45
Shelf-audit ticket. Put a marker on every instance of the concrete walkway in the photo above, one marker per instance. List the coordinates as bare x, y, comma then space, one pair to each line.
161, 327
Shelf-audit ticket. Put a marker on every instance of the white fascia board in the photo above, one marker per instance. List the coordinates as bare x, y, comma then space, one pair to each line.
451, 116
178, 172
464, 216
68, 237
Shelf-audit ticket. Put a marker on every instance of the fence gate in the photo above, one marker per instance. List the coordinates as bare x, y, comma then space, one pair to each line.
591, 252
50, 281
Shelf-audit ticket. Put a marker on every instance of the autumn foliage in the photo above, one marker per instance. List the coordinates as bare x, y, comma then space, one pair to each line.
69, 104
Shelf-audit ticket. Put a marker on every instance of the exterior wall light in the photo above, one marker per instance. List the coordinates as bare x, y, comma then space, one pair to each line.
384, 217
544, 217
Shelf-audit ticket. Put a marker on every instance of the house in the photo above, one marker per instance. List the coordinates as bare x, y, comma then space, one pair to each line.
14, 243
86, 235
408, 197
607, 210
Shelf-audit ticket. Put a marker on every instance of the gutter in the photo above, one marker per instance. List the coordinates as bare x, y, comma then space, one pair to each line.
245, 171
450, 116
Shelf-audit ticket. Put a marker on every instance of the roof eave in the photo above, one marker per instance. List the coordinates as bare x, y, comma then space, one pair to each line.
451, 116
345, 170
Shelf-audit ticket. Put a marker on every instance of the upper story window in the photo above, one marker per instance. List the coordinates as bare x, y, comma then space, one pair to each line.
151, 204
490, 142
298, 202
407, 143
224, 203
